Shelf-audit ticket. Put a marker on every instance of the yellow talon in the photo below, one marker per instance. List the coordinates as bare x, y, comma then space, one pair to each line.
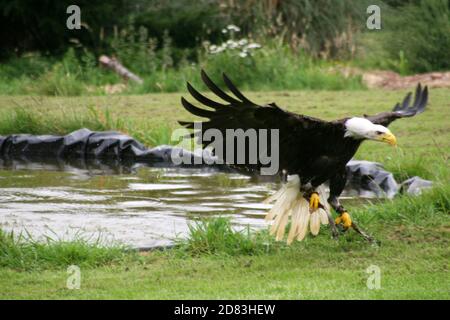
314, 201
345, 219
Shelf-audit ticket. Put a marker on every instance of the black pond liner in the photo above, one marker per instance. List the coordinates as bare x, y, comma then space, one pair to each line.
112, 152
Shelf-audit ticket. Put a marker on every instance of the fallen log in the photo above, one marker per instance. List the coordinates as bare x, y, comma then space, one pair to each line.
116, 66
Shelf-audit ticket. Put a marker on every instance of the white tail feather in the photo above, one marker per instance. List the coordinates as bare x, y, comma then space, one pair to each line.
274, 197
284, 198
314, 224
289, 201
303, 222
294, 223
323, 216
282, 227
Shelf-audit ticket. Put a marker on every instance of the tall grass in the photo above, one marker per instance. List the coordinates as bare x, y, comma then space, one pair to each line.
20, 120
71, 75
217, 236
21, 252
415, 37
421, 32
433, 166
431, 208
324, 28
273, 67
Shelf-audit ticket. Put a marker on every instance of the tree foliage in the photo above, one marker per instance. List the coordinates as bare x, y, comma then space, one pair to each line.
422, 34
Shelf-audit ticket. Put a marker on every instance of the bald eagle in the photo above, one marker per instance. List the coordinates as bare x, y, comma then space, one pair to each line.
312, 151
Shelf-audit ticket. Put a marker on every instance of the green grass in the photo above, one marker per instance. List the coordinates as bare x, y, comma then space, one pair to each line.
23, 120
425, 211
216, 236
74, 75
219, 262
150, 118
23, 253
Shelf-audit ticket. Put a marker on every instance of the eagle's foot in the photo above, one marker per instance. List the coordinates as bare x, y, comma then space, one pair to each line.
334, 229
366, 236
345, 220
314, 201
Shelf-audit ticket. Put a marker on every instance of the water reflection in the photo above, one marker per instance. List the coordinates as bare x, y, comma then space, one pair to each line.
132, 203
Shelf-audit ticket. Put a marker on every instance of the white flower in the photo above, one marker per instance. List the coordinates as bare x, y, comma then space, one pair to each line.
243, 42
234, 28
243, 54
253, 45
224, 30
232, 44
213, 49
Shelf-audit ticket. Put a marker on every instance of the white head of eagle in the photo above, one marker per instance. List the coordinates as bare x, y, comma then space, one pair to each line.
362, 128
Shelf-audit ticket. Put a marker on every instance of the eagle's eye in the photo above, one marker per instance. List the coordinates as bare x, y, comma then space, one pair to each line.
378, 132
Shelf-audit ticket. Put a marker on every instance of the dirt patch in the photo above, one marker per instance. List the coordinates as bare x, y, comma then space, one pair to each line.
392, 80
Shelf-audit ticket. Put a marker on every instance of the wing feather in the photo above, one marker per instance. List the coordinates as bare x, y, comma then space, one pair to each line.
405, 109
202, 99
235, 90
196, 111
295, 131
214, 88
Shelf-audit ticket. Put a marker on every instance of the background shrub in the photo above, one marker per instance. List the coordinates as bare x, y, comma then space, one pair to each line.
421, 32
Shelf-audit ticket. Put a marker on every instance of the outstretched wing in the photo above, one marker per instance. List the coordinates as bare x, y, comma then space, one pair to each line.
300, 137
405, 109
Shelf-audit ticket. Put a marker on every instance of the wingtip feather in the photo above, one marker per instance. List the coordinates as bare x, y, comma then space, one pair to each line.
195, 110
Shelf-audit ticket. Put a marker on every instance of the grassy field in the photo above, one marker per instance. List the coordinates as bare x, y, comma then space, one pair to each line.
414, 231
150, 117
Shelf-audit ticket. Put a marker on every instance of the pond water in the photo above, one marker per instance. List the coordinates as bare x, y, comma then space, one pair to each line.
144, 208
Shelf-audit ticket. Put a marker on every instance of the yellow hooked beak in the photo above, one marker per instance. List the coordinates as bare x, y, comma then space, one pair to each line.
389, 138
